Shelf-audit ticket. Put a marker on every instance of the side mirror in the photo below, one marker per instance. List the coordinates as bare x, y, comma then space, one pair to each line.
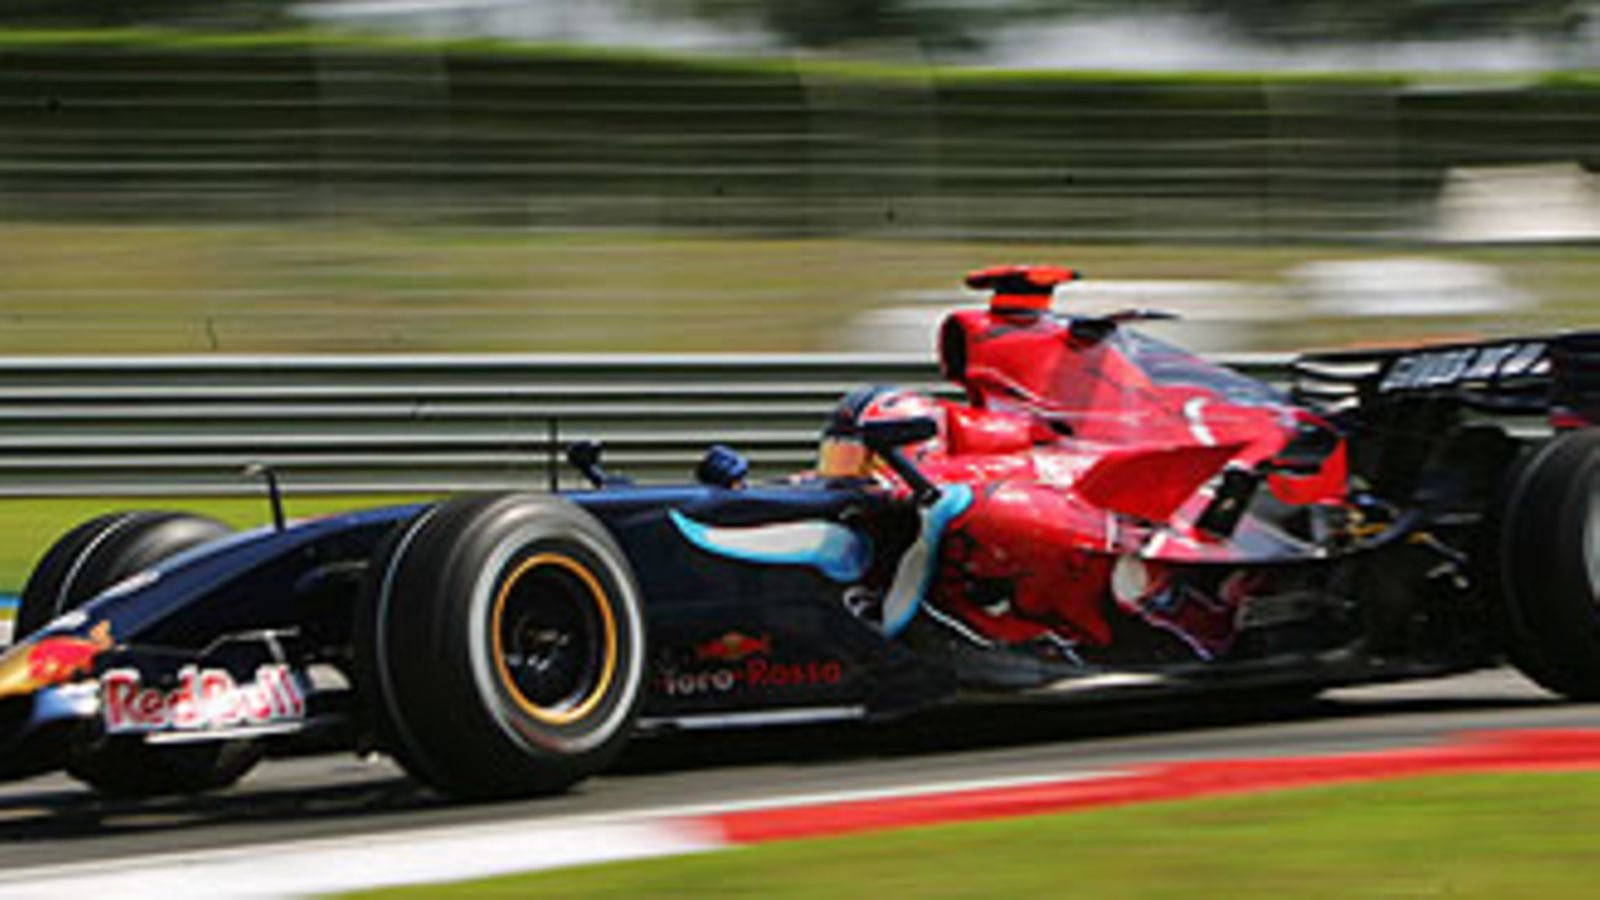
896, 433
585, 457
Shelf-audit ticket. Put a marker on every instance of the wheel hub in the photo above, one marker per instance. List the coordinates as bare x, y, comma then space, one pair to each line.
554, 639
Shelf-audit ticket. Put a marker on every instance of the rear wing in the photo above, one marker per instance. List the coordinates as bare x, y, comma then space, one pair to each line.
1555, 376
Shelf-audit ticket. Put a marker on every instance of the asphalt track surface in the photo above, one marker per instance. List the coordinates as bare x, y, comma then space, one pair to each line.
51, 821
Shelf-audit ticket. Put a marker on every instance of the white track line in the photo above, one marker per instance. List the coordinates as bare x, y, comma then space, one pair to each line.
250, 873
436, 854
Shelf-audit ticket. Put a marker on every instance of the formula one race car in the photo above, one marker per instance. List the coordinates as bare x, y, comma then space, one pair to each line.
1101, 513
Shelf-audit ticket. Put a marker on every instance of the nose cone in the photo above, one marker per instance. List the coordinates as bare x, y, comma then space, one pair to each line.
50, 659
15, 680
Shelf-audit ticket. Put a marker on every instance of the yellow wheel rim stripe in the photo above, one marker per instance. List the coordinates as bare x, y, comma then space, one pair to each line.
601, 600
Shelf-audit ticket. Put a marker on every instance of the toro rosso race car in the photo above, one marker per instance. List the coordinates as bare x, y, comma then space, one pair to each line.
1101, 512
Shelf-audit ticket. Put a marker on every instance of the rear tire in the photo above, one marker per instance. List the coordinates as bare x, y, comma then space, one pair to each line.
1550, 565
501, 646
85, 561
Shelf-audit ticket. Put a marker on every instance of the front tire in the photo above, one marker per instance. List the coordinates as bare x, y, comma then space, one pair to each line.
101, 552
85, 561
1550, 565
502, 646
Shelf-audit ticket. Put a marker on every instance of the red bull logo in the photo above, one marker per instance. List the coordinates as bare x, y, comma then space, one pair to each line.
204, 700
733, 647
56, 659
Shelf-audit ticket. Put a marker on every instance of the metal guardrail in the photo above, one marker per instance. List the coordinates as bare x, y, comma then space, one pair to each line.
188, 425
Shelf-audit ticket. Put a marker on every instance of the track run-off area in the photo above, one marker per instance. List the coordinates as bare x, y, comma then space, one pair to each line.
310, 812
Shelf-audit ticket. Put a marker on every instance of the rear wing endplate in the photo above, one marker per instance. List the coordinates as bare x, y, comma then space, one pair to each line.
1557, 376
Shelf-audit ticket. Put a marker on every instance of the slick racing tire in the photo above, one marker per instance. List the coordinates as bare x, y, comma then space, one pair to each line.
1550, 565
501, 646
99, 553
85, 561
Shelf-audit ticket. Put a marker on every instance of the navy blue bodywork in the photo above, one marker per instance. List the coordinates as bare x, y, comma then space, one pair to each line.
733, 637
726, 635
814, 652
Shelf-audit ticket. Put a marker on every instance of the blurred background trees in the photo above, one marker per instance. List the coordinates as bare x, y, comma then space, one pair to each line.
865, 26
207, 14
962, 24
225, 185
1300, 21
832, 24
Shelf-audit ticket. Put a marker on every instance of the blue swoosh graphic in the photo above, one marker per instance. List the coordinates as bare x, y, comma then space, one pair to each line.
839, 553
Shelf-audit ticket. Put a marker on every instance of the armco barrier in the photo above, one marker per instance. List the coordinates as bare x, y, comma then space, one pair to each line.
169, 425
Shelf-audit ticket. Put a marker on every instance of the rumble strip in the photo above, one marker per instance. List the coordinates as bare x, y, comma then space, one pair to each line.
465, 852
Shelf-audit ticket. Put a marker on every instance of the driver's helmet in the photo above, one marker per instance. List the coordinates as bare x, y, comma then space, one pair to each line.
842, 453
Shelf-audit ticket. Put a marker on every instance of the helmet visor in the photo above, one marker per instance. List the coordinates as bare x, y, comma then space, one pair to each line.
840, 457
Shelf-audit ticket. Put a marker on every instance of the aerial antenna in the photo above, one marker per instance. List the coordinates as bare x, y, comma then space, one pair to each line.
274, 495
552, 464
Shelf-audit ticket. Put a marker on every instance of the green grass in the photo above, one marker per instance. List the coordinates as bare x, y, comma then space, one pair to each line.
29, 527
1469, 836
110, 289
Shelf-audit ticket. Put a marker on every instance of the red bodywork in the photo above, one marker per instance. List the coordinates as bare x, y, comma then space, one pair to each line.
1092, 452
